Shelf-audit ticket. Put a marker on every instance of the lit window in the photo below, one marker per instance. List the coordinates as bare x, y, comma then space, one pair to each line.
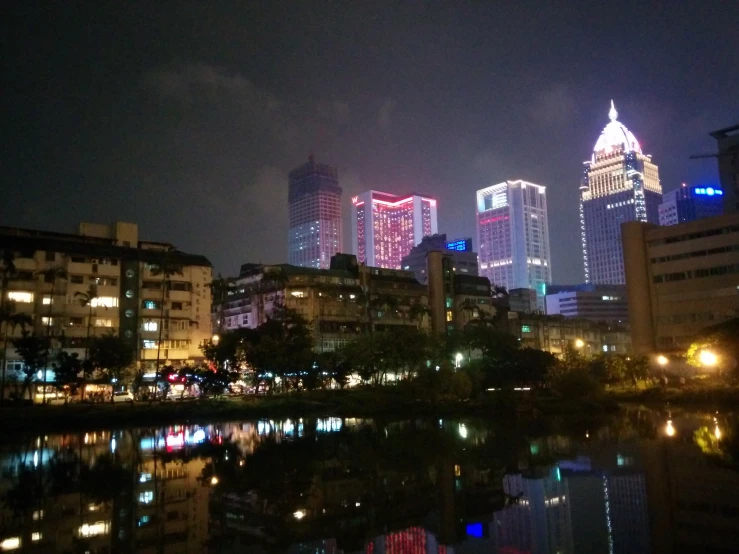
106, 301
38, 515
150, 344
146, 497
10, 544
449, 316
150, 305
151, 326
103, 323
525, 328
47, 320
18, 296
144, 477
94, 529
36, 536
46, 300
298, 294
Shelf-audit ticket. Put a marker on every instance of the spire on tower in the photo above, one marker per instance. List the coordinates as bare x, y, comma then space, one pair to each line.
612, 113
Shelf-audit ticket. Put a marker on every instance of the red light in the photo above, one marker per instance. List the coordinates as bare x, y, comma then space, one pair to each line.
172, 377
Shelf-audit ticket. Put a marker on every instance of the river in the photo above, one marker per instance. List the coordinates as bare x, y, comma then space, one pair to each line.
640, 481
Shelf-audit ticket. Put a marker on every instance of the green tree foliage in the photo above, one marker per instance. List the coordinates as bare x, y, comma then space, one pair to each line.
67, 370
111, 356
722, 340
32, 350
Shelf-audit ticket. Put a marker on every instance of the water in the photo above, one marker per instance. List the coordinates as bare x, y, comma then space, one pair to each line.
641, 481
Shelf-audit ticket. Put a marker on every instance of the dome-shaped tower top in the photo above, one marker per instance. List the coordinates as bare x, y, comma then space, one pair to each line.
615, 136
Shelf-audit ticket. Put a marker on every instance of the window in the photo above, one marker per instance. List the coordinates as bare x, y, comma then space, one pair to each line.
525, 328
150, 344
106, 301
74, 321
449, 316
15, 365
151, 305
176, 305
18, 296
180, 285
78, 259
103, 323
50, 256
76, 279
151, 326
97, 528
144, 477
46, 300
47, 320
36, 536
38, 515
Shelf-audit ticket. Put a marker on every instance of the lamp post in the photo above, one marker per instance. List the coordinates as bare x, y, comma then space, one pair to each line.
662, 360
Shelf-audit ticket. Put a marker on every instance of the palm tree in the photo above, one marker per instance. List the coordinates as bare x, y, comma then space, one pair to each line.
418, 311
166, 267
469, 308
87, 299
10, 320
220, 287
51, 275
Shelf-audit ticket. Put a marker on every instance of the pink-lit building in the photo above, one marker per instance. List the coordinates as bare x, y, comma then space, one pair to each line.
385, 227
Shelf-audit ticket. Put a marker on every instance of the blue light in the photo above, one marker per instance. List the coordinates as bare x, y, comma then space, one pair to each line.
462, 245
474, 530
708, 191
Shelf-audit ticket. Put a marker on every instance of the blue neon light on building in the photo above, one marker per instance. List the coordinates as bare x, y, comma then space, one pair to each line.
461, 245
708, 191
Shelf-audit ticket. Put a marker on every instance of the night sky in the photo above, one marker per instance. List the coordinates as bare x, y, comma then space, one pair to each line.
187, 116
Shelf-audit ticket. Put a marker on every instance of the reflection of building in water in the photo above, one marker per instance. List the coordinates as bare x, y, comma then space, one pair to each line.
414, 540
540, 520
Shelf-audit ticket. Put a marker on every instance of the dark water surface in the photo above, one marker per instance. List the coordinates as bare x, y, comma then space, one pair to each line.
636, 482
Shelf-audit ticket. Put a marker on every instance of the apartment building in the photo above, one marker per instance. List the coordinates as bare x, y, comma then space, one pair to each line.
118, 273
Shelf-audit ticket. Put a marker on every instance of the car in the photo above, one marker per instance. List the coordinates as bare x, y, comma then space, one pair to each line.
123, 396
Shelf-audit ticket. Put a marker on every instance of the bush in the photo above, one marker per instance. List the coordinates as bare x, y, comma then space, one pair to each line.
577, 384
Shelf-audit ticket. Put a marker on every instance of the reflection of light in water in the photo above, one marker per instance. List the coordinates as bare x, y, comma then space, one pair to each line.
606, 496
717, 432
35, 458
669, 429
113, 445
462, 430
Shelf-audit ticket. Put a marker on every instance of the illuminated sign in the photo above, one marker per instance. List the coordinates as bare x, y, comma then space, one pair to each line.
708, 191
355, 199
461, 245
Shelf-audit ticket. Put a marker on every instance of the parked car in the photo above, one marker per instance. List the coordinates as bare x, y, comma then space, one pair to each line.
122, 396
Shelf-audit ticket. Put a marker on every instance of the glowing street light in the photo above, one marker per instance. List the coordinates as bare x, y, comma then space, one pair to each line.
662, 360
669, 429
707, 358
214, 480
300, 514
579, 343
458, 359
215, 339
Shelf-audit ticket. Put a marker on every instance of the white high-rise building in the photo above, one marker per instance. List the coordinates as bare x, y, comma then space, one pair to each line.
513, 236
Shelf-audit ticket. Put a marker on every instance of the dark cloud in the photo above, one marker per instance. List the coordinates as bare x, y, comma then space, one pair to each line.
188, 119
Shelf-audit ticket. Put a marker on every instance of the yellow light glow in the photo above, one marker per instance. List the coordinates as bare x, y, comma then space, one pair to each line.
717, 432
707, 358
215, 338
579, 343
662, 360
300, 514
11, 543
214, 480
669, 429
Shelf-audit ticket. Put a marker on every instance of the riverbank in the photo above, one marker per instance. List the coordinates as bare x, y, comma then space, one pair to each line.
364, 402
699, 396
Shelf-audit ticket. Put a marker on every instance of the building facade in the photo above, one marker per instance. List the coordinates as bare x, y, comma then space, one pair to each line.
464, 260
680, 279
127, 295
619, 184
385, 227
513, 236
315, 215
589, 301
728, 165
690, 203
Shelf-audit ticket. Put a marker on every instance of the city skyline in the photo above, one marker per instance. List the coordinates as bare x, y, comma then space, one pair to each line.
194, 120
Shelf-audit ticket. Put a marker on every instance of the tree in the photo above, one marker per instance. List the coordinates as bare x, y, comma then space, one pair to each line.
87, 299
33, 351
608, 368
166, 266
220, 288
51, 275
722, 340
418, 311
637, 367
67, 368
10, 320
112, 356
215, 382
469, 308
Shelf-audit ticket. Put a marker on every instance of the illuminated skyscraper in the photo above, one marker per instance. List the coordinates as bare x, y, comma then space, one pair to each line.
513, 236
315, 215
619, 184
385, 227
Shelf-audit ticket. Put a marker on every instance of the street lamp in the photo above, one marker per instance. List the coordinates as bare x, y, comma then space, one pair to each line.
458, 360
579, 343
215, 338
662, 360
669, 429
707, 358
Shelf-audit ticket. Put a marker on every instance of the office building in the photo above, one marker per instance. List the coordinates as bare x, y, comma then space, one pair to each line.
130, 300
464, 260
620, 183
385, 227
315, 215
513, 236
589, 301
680, 279
523, 300
728, 165
690, 203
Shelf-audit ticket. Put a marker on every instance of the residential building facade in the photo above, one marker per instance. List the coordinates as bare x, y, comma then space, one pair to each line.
690, 203
728, 165
589, 301
119, 274
620, 183
385, 227
513, 236
680, 279
464, 260
315, 215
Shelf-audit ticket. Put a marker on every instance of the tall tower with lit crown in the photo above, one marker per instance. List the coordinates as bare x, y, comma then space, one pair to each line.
619, 183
